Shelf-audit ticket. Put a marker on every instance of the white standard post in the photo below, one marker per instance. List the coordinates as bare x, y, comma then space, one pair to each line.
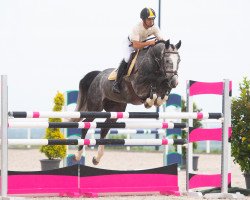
128, 137
165, 148
28, 136
64, 163
207, 142
226, 123
92, 136
189, 150
208, 146
4, 137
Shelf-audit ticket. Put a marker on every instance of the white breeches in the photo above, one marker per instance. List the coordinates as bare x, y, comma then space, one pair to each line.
127, 50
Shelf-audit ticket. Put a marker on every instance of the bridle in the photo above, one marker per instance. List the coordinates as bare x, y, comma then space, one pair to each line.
160, 62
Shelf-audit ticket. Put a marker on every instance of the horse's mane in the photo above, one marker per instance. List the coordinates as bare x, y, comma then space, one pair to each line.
160, 41
163, 41
157, 42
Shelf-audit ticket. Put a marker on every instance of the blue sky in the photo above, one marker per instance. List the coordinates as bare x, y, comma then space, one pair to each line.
49, 45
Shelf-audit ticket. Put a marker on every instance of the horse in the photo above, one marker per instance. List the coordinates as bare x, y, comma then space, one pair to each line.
154, 75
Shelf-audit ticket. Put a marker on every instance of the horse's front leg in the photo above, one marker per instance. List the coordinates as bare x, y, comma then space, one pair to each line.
162, 99
100, 151
151, 99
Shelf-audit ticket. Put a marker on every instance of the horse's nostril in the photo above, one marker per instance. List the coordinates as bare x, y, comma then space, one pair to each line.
174, 81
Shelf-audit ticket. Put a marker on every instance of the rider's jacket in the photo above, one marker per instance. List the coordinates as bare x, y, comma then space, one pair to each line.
140, 34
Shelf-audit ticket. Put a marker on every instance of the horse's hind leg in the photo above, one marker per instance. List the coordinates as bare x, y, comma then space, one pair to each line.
93, 104
109, 106
78, 154
100, 151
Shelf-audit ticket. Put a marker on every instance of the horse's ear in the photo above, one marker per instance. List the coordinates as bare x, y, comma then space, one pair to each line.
178, 45
167, 44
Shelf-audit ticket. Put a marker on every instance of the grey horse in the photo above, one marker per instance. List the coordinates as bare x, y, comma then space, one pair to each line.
154, 75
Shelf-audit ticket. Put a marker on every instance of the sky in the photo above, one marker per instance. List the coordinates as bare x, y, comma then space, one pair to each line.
49, 45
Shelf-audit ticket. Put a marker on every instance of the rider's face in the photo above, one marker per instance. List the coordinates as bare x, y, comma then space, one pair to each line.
149, 22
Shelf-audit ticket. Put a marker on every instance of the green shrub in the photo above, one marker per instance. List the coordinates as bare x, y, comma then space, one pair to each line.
241, 127
55, 151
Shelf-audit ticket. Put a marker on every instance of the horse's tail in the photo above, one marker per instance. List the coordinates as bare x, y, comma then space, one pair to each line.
83, 89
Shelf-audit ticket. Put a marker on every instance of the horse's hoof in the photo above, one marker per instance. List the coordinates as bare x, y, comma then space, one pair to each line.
146, 105
94, 161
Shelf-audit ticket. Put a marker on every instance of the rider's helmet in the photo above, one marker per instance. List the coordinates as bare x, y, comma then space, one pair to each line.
147, 13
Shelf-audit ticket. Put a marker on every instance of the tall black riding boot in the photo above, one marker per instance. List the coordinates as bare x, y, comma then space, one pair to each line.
121, 72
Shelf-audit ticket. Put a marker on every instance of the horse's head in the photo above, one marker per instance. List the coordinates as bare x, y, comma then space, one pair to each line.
166, 59
157, 72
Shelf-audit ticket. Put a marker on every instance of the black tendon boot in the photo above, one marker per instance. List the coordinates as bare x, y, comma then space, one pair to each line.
121, 72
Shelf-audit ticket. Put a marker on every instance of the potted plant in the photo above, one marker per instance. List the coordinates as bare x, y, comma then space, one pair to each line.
54, 153
196, 124
240, 139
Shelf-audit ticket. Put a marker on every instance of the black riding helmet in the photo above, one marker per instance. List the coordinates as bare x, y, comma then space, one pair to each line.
147, 13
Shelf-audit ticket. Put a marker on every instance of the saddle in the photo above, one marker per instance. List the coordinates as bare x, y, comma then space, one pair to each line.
131, 63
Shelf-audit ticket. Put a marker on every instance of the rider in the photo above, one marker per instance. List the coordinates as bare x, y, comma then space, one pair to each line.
138, 40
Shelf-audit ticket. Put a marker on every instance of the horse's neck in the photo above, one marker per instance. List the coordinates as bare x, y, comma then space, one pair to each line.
141, 57
143, 52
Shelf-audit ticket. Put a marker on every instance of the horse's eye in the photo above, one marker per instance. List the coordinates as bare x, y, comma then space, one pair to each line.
169, 62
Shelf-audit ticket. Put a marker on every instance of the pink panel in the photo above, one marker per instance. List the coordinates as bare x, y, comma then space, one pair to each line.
207, 88
129, 183
198, 180
27, 184
203, 134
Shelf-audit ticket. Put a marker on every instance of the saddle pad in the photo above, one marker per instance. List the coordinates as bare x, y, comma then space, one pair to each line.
113, 74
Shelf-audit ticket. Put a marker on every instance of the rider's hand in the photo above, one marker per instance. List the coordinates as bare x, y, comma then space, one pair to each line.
151, 42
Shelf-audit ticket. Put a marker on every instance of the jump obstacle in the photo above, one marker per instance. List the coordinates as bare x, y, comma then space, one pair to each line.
93, 142
164, 182
88, 125
116, 115
173, 106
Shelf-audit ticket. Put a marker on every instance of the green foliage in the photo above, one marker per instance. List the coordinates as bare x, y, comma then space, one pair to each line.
241, 127
55, 151
122, 136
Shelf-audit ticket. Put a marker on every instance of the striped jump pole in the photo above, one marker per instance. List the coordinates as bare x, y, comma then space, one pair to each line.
88, 125
92, 142
130, 131
117, 115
